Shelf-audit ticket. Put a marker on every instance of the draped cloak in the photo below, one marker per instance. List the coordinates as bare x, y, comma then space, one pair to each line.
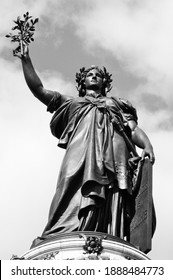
93, 188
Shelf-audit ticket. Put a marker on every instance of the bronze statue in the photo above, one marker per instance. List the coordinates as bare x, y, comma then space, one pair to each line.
99, 133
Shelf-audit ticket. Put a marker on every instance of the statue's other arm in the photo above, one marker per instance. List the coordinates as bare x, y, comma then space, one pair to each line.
141, 140
33, 81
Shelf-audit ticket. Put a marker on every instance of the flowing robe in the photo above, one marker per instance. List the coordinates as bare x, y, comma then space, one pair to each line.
94, 184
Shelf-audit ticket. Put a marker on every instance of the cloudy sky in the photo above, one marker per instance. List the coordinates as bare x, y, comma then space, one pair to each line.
134, 40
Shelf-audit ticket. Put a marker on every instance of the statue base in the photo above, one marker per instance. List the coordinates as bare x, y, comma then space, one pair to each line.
84, 245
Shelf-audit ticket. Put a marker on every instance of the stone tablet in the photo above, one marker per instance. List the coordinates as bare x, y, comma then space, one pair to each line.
141, 224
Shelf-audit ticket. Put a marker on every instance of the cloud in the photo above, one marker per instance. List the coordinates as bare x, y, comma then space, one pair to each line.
138, 34
152, 102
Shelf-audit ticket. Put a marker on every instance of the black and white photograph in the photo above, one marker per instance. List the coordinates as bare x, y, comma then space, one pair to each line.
86, 125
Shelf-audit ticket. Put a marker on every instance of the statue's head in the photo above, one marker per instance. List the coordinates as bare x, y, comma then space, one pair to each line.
84, 74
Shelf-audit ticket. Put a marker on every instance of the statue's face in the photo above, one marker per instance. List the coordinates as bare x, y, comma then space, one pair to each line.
93, 80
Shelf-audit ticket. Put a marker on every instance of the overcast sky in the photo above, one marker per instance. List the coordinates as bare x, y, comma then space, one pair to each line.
134, 40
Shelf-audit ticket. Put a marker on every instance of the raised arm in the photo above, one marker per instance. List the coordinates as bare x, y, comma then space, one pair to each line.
33, 81
141, 140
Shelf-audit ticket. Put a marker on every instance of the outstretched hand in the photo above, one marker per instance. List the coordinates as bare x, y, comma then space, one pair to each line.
23, 51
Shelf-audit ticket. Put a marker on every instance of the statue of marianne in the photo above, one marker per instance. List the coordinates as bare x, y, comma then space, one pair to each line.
94, 189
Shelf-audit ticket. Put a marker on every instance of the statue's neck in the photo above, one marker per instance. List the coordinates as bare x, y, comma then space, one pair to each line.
93, 93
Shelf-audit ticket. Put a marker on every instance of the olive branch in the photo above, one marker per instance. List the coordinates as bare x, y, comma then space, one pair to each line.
25, 28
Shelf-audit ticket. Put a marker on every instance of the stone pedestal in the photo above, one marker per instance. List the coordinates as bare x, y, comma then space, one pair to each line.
84, 246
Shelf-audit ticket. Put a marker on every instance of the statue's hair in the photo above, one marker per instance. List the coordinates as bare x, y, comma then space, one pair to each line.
80, 80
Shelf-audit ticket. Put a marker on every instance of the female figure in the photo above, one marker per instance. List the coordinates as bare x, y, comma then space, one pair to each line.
94, 189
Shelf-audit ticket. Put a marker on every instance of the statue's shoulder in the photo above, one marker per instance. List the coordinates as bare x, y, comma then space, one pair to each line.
123, 103
58, 100
126, 107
